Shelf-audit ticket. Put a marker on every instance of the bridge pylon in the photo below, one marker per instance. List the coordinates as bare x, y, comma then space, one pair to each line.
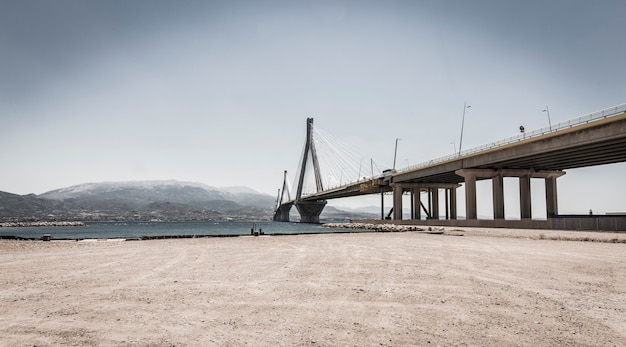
281, 213
309, 210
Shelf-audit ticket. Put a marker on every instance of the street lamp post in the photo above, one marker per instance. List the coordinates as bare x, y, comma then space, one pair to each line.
547, 110
395, 154
465, 106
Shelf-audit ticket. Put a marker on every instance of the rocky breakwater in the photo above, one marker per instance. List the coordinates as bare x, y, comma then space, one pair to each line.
380, 227
41, 224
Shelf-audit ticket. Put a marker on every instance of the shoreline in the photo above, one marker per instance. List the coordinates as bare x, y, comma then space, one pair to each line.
371, 228
41, 224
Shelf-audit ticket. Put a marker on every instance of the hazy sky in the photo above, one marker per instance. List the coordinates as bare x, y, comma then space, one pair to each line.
219, 92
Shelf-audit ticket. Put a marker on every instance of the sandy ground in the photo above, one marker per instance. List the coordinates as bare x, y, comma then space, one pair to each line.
374, 289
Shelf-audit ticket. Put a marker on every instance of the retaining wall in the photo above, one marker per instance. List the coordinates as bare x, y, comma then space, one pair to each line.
590, 223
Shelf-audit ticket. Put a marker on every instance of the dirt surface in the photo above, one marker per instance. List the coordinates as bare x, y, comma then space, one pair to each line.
373, 289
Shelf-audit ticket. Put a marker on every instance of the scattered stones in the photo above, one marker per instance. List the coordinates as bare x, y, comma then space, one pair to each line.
41, 224
375, 227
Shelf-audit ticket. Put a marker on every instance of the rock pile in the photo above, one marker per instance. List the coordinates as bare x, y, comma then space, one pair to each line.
41, 224
376, 227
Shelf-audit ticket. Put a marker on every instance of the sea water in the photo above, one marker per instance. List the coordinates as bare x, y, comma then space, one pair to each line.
101, 230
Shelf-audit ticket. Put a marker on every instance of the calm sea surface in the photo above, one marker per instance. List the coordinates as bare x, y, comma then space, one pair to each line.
139, 229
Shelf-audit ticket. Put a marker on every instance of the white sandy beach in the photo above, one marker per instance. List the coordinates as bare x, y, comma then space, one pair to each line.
373, 289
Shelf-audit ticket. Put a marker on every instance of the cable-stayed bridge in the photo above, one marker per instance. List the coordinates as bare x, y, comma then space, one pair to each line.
330, 170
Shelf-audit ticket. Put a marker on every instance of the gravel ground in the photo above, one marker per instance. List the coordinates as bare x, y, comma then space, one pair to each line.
487, 287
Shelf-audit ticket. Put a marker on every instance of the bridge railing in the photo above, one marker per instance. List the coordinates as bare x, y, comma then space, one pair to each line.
602, 114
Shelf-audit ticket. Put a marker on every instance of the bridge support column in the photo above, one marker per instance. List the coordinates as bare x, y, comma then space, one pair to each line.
434, 206
282, 213
417, 204
524, 197
470, 192
452, 192
310, 210
382, 203
496, 176
398, 190
497, 184
552, 206
447, 202
412, 191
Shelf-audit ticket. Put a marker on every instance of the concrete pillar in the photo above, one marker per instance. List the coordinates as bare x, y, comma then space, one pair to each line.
497, 183
447, 202
470, 197
552, 208
282, 213
417, 207
452, 203
524, 196
417, 203
411, 198
310, 210
397, 202
434, 209
382, 203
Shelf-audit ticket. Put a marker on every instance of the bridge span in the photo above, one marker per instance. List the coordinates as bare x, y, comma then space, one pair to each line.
595, 139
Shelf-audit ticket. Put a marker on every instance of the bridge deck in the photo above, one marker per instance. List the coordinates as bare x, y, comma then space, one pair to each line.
596, 142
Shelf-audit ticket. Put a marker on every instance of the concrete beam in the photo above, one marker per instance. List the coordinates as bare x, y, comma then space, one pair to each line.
425, 186
489, 173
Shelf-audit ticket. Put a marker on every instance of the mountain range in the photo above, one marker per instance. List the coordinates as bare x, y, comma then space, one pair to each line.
145, 201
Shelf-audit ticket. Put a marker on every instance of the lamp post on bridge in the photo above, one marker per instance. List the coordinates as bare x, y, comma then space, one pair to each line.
465, 106
395, 153
547, 110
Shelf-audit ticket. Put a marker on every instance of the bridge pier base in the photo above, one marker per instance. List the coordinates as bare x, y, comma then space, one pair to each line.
310, 210
282, 213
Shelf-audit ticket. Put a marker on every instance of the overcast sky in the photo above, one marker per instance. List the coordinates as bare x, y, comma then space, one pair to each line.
219, 92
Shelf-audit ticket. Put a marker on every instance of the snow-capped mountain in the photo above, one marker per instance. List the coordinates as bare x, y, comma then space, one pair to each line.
142, 200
